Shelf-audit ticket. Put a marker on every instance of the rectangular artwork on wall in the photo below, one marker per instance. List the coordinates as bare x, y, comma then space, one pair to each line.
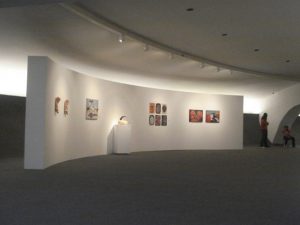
164, 120
151, 107
158, 108
195, 116
212, 116
157, 120
91, 109
151, 120
164, 108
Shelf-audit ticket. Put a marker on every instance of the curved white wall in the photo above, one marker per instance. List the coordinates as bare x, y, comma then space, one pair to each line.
51, 138
278, 105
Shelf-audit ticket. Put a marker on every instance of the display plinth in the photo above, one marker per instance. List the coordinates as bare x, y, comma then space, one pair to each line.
122, 136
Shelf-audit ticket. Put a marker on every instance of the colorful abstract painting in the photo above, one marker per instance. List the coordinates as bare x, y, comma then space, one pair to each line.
195, 116
212, 116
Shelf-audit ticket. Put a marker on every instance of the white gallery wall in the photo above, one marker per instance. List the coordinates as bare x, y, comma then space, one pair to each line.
52, 138
278, 105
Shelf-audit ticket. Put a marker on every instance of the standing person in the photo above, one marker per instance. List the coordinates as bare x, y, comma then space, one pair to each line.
287, 136
264, 130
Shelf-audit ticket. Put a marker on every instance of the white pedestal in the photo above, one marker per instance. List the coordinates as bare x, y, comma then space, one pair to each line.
122, 136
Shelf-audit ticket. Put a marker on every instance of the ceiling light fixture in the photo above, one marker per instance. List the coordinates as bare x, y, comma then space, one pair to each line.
190, 9
146, 47
121, 38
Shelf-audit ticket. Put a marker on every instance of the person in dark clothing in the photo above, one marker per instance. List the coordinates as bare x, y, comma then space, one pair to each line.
264, 130
287, 136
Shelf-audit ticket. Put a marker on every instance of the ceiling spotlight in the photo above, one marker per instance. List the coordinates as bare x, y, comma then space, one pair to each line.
121, 38
146, 47
190, 9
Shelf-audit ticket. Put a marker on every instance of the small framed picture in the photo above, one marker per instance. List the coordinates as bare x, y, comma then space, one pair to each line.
151, 107
212, 116
195, 116
164, 120
157, 120
91, 109
151, 120
158, 108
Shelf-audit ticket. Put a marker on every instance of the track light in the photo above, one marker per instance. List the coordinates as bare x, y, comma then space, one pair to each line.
121, 38
146, 47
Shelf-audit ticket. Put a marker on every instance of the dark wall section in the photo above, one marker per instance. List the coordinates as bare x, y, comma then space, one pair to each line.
296, 130
12, 125
251, 129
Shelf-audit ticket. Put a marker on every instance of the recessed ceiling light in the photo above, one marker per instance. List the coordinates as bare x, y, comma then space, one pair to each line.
287, 61
256, 50
224, 34
190, 9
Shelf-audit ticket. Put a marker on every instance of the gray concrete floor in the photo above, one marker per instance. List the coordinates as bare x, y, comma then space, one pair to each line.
253, 186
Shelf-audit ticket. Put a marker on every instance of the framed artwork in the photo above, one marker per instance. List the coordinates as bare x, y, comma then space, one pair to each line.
151, 107
164, 120
56, 105
157, 120
212, 116
66, 107
195, 116
158, 108
91, 109
151, 120
164, 108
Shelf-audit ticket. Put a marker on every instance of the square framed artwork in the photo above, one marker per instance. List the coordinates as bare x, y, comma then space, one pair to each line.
91, 109
195, 116
212, 116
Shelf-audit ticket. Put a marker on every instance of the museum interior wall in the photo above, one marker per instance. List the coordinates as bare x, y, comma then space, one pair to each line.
277, 106
52, 137
296, 130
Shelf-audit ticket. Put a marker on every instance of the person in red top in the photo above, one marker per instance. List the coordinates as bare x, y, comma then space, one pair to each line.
264, 130
287, 136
